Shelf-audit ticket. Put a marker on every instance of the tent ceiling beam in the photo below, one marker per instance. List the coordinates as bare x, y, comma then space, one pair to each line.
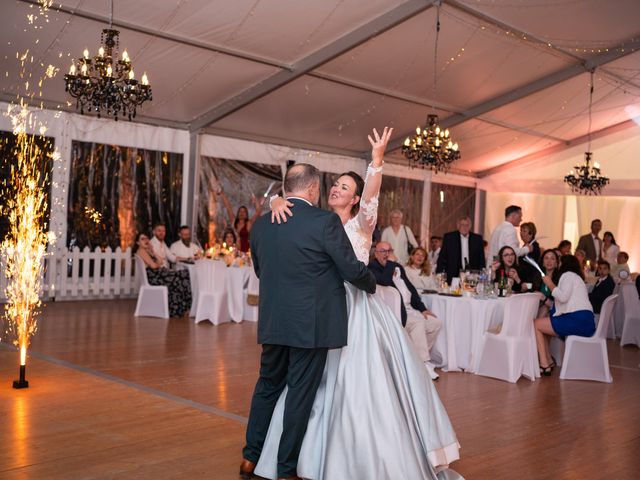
420, 101
284, 142
530, 38
61, 106
162, 35
343, 44
535, 156
615, 53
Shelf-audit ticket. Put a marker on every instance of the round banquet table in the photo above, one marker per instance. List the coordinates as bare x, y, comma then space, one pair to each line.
464, 321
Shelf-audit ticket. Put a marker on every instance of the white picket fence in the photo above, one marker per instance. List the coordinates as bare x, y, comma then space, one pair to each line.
83, 274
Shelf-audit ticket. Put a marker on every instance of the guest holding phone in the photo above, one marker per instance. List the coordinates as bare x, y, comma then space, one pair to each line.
572, 313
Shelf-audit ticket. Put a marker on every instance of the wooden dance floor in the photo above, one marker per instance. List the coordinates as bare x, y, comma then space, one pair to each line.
117, 397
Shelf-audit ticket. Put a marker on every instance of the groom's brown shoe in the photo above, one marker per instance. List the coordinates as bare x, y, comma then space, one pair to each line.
246, 469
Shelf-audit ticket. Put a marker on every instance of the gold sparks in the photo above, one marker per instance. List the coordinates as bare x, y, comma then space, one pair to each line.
51, 71
25, 245
93, 214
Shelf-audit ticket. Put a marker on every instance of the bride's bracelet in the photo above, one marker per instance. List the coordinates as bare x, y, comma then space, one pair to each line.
373, 170
272, 198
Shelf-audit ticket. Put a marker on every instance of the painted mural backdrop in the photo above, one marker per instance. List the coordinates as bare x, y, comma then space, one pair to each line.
242, 183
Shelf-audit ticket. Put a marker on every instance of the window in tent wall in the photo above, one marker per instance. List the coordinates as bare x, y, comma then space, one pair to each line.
43, 163
117, 191
448, 203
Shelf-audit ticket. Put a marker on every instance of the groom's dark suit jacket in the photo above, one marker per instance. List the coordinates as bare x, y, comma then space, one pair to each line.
302, 265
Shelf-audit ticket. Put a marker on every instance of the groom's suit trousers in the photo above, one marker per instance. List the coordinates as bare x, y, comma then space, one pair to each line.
300, 369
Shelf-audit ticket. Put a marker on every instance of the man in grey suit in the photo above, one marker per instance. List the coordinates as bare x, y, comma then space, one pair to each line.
592, 244
302, 265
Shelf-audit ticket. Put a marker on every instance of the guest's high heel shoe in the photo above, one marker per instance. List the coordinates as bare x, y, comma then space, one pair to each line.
548, 370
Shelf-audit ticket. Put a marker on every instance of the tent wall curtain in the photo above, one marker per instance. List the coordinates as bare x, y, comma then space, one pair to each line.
559, 217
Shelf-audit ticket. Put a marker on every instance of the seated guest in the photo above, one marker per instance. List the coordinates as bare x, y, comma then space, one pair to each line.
184, 249
162, 251
461, 250
621, 264
422, 325
603, 288
582, 258
418, 270
564, 248
550, 264
571, 314
528, 232
229, 238
507, 266
176, 281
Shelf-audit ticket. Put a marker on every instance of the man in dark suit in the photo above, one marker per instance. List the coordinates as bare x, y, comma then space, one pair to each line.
603, 288
461, 250
591, 243
302, 265
421, 325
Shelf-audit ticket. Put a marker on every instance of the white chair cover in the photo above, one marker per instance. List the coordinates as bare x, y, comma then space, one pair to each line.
392, 298
631, 322
585, 358
512, 352
212, 292
250, 312
153, 300
237, 278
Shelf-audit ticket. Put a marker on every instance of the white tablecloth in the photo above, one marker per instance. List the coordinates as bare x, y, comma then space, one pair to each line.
233, 279
464, 321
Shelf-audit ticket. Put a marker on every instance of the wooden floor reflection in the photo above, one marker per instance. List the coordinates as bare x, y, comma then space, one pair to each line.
106, 402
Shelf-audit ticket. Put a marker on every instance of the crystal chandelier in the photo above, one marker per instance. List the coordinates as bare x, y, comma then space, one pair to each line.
104, 83
431, 147
586, 179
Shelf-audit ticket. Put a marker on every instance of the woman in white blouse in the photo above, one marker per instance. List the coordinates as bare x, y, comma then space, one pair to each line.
418, 270
572, 313
610, 248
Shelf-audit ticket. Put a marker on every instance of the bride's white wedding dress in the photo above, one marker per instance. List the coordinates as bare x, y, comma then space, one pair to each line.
376, 414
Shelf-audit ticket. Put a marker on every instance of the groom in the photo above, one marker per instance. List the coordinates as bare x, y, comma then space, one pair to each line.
302, 265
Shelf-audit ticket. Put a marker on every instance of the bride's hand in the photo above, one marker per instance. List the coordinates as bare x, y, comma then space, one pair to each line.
379, 145
279, 210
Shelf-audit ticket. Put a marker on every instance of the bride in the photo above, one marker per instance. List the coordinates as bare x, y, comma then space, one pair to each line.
376, 414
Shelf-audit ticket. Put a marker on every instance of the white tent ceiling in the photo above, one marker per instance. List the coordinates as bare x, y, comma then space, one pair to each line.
512, 74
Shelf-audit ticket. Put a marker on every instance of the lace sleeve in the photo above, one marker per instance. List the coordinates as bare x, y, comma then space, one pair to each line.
368, 213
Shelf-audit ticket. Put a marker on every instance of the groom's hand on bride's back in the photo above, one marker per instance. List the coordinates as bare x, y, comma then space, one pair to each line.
280, 208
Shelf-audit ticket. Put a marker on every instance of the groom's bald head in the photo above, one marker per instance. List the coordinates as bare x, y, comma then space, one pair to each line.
303, 180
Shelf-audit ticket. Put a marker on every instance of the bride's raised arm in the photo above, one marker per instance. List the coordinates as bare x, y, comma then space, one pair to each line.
368, 213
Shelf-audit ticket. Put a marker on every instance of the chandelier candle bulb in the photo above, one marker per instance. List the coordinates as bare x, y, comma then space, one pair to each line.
83, 69
125, 57
101, 52
86, 53
109, 71
407, 142
72, 70
131, 76
145, 80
